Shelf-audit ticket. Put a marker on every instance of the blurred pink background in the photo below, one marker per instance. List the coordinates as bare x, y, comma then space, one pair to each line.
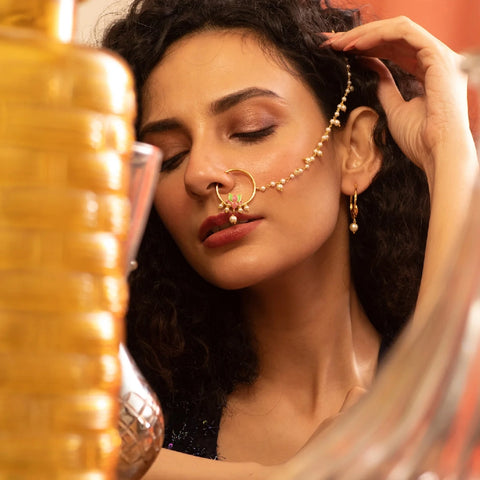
455, 22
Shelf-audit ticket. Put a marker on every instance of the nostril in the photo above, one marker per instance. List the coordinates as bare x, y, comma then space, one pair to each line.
220, 186
216, 184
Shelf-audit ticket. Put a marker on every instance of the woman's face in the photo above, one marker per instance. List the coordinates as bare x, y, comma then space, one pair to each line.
218, 101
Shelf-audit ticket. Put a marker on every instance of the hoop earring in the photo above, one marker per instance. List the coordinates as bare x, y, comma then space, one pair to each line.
234, 204
354, 212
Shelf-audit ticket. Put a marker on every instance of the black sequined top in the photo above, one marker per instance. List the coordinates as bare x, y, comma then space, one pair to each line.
188, 432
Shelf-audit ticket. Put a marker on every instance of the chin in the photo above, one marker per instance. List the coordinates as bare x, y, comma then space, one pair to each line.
236, 277
233, 282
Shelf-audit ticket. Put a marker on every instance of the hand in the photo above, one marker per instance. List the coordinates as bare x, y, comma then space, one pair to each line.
432, 130
425, 125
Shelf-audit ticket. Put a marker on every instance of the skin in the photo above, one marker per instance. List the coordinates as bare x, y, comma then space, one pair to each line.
301, 322
298, 295
213, 143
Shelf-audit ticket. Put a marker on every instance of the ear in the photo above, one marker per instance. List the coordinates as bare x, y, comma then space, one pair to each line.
361, 159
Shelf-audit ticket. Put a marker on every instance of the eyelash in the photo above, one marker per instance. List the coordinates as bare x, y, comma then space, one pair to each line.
173, 162
246, 137
255, 135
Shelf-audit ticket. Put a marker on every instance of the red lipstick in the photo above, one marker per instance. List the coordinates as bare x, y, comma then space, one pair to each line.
217, 231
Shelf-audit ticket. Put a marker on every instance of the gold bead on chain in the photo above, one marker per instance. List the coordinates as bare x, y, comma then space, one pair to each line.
317, 152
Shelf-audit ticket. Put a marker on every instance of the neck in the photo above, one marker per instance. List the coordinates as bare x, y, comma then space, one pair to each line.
310, 328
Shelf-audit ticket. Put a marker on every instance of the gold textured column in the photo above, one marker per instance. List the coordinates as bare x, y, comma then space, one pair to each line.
66, 131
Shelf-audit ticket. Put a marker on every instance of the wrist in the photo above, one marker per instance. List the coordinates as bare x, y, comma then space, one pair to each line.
454, 162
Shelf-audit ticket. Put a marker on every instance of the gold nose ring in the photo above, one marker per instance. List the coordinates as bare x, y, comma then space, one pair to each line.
234, 204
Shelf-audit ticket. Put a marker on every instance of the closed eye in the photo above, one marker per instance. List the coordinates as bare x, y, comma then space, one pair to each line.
255, 135
172, 163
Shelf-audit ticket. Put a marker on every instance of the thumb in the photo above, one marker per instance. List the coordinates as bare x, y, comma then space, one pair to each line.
388, 93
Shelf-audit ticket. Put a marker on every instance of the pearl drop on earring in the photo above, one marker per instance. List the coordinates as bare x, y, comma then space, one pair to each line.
354, 212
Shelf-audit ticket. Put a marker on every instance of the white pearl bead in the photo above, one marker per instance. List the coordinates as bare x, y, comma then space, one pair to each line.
233, 219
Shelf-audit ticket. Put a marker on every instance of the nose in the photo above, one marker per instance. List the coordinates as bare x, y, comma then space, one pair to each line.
205, 169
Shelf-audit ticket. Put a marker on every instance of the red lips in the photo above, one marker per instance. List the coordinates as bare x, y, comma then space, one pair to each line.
216, 223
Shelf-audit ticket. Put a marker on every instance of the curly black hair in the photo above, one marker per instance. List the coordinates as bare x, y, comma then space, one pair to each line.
188, 337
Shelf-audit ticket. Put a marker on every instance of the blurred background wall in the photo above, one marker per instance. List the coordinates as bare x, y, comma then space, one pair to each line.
455, 22
93, 15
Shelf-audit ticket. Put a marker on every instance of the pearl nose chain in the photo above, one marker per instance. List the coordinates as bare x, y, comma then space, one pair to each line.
234, 205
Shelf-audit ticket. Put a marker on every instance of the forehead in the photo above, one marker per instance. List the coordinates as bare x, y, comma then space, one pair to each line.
210, 64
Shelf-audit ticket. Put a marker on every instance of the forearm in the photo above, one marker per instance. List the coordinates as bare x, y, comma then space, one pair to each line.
171, 465
456, 168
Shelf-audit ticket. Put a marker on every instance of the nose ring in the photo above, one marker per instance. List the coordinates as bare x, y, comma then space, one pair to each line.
234, 204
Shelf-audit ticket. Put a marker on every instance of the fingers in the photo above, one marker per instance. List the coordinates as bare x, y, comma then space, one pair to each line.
398, 39
388, 93
374, 36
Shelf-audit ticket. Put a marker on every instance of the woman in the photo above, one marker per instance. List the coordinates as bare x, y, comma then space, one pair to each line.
258, 322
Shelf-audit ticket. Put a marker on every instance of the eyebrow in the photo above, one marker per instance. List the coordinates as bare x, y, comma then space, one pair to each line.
218, 106
229, 101
158, 126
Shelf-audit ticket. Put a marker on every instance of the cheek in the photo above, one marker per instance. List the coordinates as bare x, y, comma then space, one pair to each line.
312, 213
311, 202
170, 207
318, 188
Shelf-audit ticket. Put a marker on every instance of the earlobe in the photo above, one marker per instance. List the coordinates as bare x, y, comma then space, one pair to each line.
361, 159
